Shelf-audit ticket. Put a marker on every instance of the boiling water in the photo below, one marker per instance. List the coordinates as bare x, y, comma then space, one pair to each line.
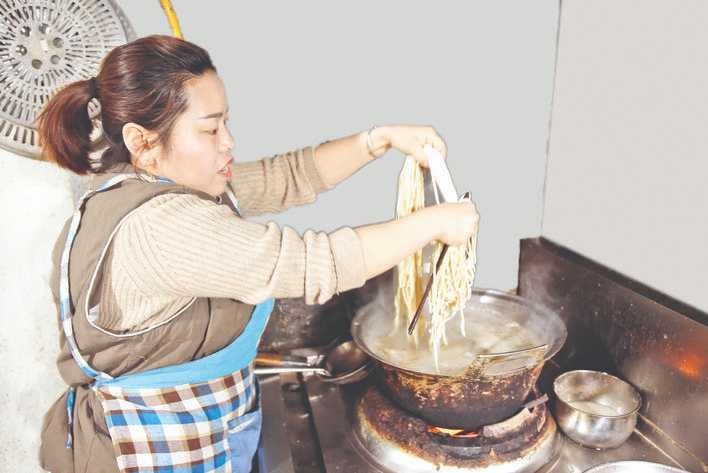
486, 331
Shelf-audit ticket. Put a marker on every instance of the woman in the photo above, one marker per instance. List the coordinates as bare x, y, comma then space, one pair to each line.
164, 289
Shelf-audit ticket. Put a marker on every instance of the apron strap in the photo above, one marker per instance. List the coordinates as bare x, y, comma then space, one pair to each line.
65, 310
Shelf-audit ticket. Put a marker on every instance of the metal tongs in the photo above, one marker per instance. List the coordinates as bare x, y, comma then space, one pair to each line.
442, 179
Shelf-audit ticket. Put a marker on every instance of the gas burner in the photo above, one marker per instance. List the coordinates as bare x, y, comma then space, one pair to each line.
502, 437
397, 441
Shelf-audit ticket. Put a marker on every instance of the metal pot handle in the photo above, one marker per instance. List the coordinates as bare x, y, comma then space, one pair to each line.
483, 362
285, 369
278, 360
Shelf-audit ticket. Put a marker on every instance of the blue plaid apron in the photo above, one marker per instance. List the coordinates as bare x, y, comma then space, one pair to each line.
199, 416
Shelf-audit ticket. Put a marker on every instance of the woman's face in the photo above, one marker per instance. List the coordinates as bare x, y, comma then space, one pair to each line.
199, 155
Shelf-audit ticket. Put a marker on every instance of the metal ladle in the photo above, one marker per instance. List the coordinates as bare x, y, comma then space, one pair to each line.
342, 364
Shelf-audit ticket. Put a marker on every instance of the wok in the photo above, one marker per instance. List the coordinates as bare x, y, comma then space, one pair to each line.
485, 372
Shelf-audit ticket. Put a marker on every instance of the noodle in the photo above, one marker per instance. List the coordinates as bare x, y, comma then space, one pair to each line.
409, 287
452, 284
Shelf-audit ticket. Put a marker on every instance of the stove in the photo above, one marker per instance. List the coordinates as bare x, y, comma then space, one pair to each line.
395, 441
314, 427
614, 325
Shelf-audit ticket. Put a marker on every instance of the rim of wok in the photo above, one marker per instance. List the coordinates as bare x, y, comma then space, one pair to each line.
554, 344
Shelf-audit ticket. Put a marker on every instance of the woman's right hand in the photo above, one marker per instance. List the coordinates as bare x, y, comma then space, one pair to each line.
385, 244
456, 221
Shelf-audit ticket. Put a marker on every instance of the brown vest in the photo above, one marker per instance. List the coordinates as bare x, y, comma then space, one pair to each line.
205, 326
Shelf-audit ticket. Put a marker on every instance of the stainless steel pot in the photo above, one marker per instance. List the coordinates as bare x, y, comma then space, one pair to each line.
596, 409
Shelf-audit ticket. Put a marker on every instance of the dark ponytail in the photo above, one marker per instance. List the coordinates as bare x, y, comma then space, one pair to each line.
140, 82
65, 127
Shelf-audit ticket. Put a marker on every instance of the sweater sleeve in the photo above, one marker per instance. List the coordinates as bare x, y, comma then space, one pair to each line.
182, 245
277, 183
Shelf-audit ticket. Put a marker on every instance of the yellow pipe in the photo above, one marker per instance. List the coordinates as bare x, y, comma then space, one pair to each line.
172, 18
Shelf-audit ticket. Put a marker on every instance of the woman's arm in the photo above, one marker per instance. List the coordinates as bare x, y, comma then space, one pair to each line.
295, 178
277, 183
179, 245
182, 246
338, 159
385, 244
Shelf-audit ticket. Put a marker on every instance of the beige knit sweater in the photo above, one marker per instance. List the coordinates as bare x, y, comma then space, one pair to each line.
178, 246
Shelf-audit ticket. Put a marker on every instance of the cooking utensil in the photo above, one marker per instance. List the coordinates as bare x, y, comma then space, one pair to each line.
419, 310
596, 409
489, 383
276, 363
277, 359
346, 363
290, 369
634, 467
342, 364
440, 174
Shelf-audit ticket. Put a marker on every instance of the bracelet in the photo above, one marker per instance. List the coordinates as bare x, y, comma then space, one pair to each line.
369, 143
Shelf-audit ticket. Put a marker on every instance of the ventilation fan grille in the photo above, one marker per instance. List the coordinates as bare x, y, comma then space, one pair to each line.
45, 44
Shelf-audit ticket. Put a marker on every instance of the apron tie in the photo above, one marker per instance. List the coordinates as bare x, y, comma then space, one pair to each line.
70, 397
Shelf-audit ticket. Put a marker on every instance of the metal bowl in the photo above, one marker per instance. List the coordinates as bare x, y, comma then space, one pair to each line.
634, 467
596, 409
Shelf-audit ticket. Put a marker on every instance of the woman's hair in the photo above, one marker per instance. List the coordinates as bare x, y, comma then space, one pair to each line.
140, 82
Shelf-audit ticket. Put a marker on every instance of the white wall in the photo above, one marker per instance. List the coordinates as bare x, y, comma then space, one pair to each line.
36, 199
628, 153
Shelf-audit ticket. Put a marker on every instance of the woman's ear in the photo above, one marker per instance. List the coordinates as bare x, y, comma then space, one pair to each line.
141, 145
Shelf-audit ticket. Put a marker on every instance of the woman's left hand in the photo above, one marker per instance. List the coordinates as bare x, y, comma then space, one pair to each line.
409, 140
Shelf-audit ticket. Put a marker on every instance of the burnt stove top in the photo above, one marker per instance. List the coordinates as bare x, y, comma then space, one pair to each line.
396, 441
311, 427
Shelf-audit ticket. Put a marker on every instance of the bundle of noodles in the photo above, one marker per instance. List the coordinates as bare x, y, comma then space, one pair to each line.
409, 287
451, 289
452, 283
